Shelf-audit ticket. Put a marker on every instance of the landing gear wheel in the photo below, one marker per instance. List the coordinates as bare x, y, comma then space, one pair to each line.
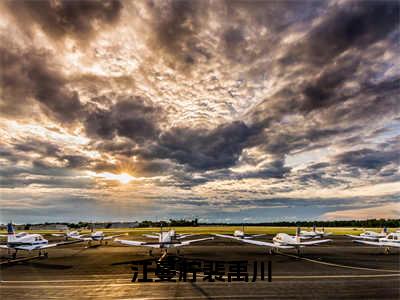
14, 256
177, 251
151, 252
46, 254
271, 251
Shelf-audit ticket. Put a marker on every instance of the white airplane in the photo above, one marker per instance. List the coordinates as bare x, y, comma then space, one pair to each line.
370, 235
26, 242
69, 235
392, 240
172, 233
280, 241
304, 234
99, 236
165, 240
241, 235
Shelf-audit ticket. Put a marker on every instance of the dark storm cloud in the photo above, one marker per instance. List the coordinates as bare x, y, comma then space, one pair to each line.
324, 91
133, 118
369, 159
355, 24
202, 149
38, 146
77, 19
176, 24
27, 75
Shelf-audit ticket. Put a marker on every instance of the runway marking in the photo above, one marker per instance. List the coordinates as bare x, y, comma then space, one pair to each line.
338, 265
14, 282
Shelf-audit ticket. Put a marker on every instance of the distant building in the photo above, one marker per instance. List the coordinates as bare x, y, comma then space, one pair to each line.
124, 225
109, 225
49, 227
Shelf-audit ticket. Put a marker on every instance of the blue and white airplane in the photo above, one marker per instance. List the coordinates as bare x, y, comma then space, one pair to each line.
26, 242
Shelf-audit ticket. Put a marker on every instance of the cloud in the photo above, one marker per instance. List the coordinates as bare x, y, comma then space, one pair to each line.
207, 104
368, 158
59, 19
28, 76
132, 117
387, 211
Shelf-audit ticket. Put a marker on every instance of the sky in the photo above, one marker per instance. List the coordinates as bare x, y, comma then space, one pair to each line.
225, 111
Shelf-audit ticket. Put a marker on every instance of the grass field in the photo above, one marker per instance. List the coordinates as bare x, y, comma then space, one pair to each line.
221, 230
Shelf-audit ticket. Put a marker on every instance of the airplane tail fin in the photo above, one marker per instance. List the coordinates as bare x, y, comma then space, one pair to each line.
298, 234
10, 233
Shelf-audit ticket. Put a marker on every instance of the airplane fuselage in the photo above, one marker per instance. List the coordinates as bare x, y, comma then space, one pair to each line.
26, 240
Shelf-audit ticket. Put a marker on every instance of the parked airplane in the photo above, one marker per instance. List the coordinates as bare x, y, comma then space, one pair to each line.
304, 234
26, 242
240, 234
370, 235
69, 234
392, 240
172, 233
99, 236
165, 240
280, 241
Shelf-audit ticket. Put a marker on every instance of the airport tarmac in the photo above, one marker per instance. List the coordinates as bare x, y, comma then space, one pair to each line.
339, 270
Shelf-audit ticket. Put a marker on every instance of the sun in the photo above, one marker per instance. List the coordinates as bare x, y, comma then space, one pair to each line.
123, 178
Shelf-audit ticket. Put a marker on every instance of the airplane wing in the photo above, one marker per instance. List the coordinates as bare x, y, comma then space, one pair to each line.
228, 236
152, 236
254, 242
314, 242
36, 247
182, 236
383, 244
4, 247
266, 244
306, 237
113, 236
137, 243
253, 236
185, 243
369, 238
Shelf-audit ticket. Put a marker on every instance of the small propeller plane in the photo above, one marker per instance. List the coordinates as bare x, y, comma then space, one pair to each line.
98, 236
241, 235
280, 241
27, 242
392, 240
69, 235
370, 235
166, 240
304, 234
